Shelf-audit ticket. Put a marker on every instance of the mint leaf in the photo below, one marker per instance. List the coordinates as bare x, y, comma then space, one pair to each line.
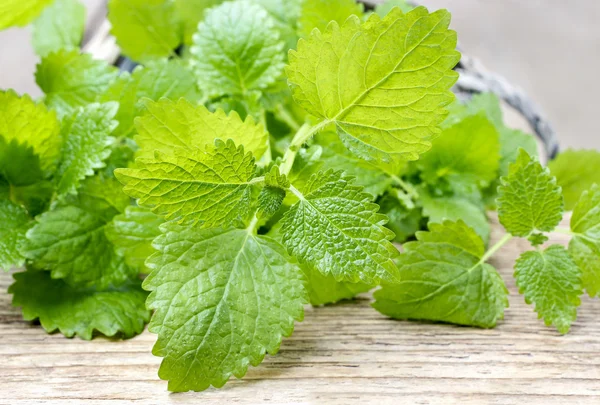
100, 196
550, 280
27, 122
145, 29
167, 126
155, 80
211, 186
324, 289
236, 49
336, 228
132, 234
528, 198
286, 14
444, 278
79, 311
319, 13
191, 12
14, 223
60, 26
222, 299
396, 74
19, 165
384, 8
575, 171
404, 219
272, 195
71, 242
20, 12
87, 140
72, 80
584, 247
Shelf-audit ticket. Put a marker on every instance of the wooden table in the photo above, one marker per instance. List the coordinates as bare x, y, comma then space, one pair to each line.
341, 354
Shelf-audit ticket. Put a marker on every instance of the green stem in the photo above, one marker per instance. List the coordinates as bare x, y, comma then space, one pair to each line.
410, 190
253, 225
284, 115
305, 132
491, 251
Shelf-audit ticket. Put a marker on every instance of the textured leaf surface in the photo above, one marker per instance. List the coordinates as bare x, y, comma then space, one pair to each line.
156, 79
237, 49
191, 12
286, 14
584, 247
384, 83
27, 122
529, 199
336, 228
145, 29
14, 223
212, 187
87, 141
60, 26
79, 312
324, 289
222, 299
552, 282
132, 234
72, 80
20, 12
71, 242
319, 13
168, 125
576, 171
444, 279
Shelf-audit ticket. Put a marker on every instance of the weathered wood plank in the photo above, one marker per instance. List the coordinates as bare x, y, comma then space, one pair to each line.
341, 354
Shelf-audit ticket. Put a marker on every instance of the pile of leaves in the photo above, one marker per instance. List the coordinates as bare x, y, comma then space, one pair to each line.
267, 154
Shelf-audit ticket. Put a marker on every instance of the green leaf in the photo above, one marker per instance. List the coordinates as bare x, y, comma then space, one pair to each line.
191, 12
167, 126
396, 74
444, 278
552, 282
71, 242
272, 195
319, 13
336, 228
584, 247
157, 79
14, 223
222, 299
87, 144
470, 148
286, 14
211, 186
79, 311
404, 220
237, 49
19, 164
528, 198
70, 80
60, 26
100, 196
132, 234
384, 8
145, 29
324, 289
20, 12
30, 123
575, 171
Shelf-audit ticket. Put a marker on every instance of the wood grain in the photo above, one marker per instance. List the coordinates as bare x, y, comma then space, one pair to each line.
341, 354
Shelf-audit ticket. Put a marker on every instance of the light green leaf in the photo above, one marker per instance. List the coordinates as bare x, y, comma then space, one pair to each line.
168, 125
384, 83
237, 49
443, 278
470, 148
528, 198
222, 299
60, 26
87, 141
100, 196
384, 8
552, 282
157, 79
286, 14
576, 171
81, 312
191, 12
336, 228
30, 123
584, 247
71, 242
20, 12
72, 80
14, 223
132, 234
145, 29
211, 186
319, 13
272, 195
404, 220
324, 289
